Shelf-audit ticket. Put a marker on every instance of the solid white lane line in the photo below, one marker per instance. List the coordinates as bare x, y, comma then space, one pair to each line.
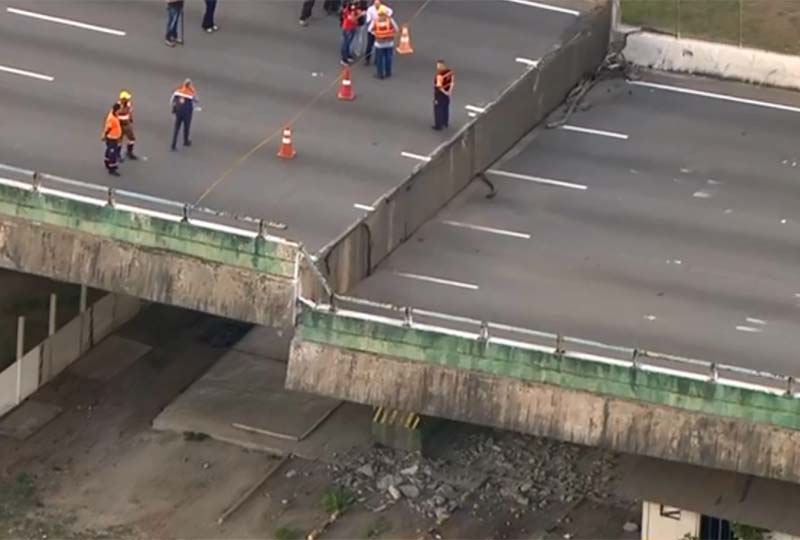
472, 114
440, 281
68, 22
473, 108
25, 73
713, 95
418, 157
502, 232
752, 320
364, 207
526, 61
548, 7
538, 180
589, 131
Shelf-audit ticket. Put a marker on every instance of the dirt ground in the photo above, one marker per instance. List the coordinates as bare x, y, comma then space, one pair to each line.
98, 470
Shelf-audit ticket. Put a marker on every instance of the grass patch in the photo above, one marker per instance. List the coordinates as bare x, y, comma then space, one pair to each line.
378, 528
195, 436
287, 533
769, 25
337, 500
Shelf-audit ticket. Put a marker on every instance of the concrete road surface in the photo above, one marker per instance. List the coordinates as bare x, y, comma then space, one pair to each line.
59, 77
665, 217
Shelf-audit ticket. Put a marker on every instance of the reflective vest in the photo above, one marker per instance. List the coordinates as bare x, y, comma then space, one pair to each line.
444, 81
113, 128
125, 113
184, 93
384, 30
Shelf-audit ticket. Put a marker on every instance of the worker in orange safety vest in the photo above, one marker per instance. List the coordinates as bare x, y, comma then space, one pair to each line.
443, 84
184, 99
384, 28
125, 116
112, 134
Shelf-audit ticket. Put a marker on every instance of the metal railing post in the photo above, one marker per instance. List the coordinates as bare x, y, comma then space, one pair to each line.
790, 386
110, 198
678, 18
714, 375
635, 359
560, 344
484, 333
408, 319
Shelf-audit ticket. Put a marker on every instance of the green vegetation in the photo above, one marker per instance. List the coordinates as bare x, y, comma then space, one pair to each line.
747, 532
770, 25
195, 436
287, 533
337, 500
378, 528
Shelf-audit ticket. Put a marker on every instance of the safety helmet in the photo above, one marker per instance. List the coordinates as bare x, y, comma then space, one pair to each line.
124, 95
382, 10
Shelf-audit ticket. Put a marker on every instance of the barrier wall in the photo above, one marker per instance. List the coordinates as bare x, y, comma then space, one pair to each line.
705, 419
401, 211
45, 361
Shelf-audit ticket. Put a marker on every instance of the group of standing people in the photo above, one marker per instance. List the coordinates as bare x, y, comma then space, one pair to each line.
118, 126
175, 21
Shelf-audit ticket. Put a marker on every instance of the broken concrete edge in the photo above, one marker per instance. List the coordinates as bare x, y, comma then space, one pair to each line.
541, 367
545, 410
480, 143
158, 275
258, 253
665, 52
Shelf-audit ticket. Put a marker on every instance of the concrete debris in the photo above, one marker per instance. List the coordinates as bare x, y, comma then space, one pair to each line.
497, 469
409, 490
366, 470
395, 493
631, 527
291, 473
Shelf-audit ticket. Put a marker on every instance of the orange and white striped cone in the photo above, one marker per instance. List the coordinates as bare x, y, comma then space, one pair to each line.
405, 41
287, 148
346, 88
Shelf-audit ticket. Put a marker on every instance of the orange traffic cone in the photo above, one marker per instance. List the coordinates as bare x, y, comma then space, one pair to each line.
405, 42
346, 89
287, 148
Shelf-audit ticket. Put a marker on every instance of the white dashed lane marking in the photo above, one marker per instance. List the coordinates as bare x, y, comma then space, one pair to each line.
546, 7
600, 132
515, 176
439, 281
502, 232
26, 73
363, 207
66, 22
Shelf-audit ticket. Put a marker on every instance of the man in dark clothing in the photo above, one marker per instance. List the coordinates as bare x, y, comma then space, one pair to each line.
183, 100
331, 7
443, 84
208, 18
174, 17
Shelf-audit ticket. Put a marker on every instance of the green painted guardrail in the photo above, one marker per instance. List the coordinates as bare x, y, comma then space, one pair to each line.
630, 380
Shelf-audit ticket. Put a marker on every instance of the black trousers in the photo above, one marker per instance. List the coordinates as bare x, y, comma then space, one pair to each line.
305, 11
208, 17
111, 158
441, 110
182, 119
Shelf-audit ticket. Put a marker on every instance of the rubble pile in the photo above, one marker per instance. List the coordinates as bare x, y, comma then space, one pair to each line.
497, 468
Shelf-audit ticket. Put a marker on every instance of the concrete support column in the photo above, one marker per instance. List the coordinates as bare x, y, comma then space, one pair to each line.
402, 430
20, 354
84, 298
51, 327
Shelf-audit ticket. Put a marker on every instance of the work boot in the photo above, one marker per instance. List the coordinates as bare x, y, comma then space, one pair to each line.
113, 172
130, 154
